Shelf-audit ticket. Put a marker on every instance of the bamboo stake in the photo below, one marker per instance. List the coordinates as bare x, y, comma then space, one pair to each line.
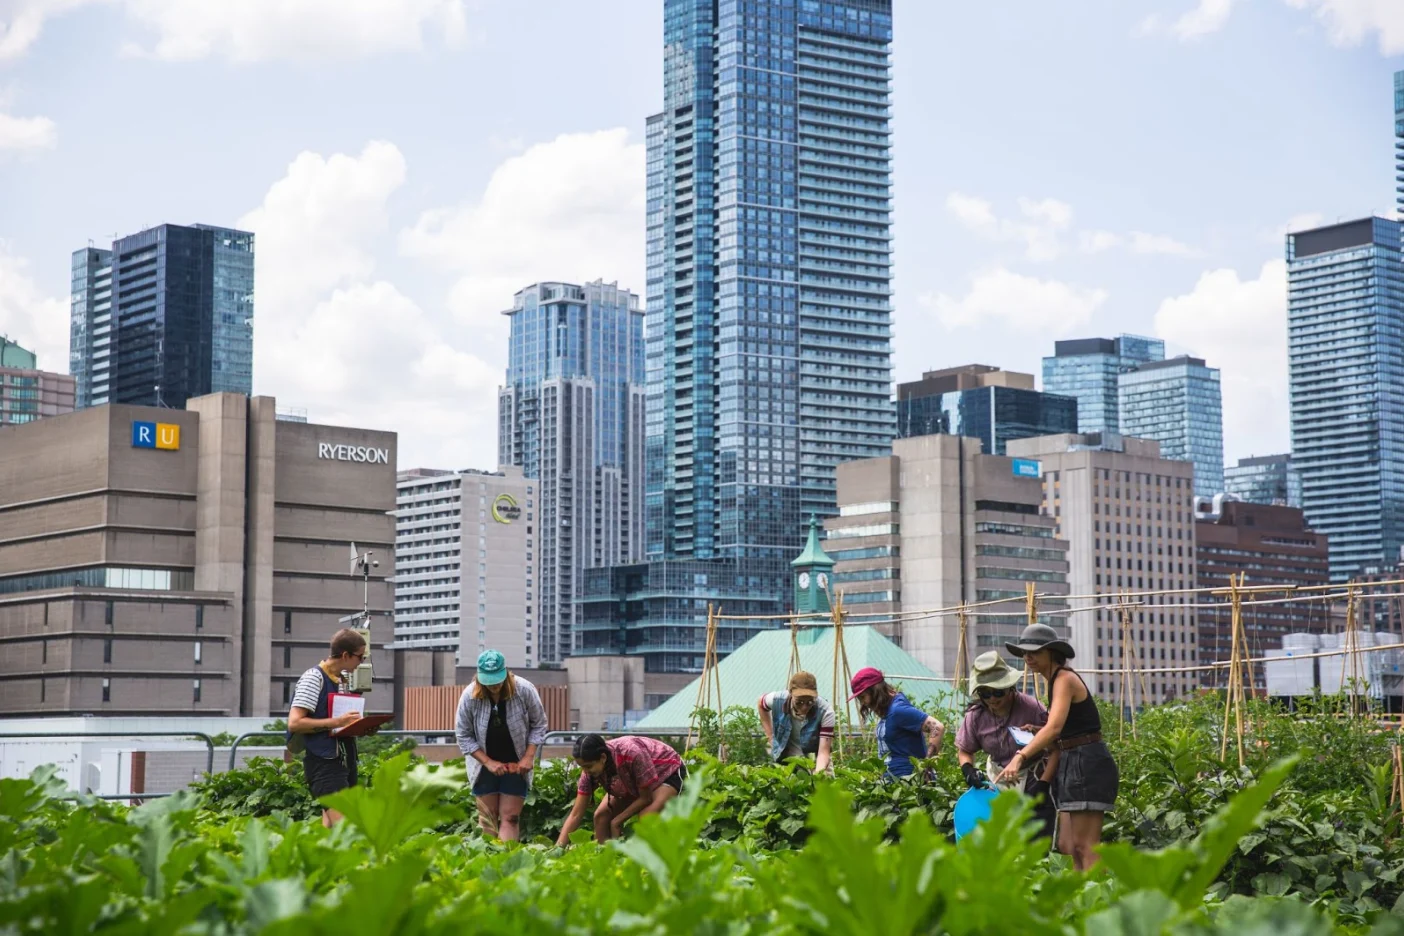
1128, 663
841, 668
794, 646
962, 666
716, 676
702, 684
1233, 704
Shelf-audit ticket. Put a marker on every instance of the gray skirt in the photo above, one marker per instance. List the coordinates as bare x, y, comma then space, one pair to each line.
1087, 779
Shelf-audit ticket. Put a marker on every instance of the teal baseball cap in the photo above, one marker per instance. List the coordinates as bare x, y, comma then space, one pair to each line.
492, 668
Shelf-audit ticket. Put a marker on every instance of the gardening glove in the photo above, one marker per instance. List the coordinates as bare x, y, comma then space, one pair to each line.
973, 777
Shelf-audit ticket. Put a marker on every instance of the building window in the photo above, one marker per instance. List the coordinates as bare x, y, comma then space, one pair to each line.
107, 650
43, 689
45, 651
106, 690
199, 616
198, 655
287, 656
287, 692
287, 622
108, 614
196, 692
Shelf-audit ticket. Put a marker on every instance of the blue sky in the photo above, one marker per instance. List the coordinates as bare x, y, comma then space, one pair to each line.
1062, 170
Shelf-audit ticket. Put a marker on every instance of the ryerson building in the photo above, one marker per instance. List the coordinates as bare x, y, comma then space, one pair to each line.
196, 561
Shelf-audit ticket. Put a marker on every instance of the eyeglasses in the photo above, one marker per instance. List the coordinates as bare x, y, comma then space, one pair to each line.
991, 693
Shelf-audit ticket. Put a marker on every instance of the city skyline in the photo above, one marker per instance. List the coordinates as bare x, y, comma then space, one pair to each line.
372, 221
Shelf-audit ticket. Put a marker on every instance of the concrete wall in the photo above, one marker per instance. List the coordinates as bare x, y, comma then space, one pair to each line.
601, 686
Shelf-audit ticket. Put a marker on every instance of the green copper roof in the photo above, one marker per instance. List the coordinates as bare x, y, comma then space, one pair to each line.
762, 664
813, 554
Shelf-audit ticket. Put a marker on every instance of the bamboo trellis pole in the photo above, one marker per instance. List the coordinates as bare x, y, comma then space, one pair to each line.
841, 667
1233, 703
962, 666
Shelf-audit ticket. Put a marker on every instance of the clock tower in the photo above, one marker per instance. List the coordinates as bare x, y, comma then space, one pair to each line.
813, 569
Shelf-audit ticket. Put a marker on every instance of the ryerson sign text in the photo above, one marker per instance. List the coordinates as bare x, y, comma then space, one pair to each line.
353, 453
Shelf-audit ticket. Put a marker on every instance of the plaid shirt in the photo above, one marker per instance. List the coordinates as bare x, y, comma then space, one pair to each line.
640, 765
526, 721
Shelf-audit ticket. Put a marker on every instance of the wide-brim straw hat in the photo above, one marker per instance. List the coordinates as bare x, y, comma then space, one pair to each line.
1040, 637
991, 672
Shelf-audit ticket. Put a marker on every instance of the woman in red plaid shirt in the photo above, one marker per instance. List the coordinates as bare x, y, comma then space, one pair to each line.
638, 775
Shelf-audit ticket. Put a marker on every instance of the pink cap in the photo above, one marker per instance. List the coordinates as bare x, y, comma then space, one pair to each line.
865, 679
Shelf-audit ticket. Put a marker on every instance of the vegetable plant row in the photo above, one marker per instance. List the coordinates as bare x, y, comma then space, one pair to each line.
1303, 839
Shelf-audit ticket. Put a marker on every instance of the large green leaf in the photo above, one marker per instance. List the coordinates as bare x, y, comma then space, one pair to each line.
401, 801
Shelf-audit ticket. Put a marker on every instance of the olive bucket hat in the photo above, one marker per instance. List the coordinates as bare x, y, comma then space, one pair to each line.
1040, 637
989, 671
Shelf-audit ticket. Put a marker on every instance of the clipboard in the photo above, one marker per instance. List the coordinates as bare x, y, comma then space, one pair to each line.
366, 724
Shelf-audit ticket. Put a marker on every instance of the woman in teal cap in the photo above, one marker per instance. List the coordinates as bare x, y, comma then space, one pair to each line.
501, 722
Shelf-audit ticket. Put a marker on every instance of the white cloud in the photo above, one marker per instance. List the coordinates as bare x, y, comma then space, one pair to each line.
571, 209
1046, 223
334, 337
258, 30
29, 317
1350, 22
1039, 230
22, 21
1240, 327
1011, 300
27, 133
1143, 243
1208, 16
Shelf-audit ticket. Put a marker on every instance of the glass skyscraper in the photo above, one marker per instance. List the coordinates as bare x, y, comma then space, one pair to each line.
1345, 346
983, 403
571, 415
1178, 404
1265, 479
165, 315
769, 296
1087, 369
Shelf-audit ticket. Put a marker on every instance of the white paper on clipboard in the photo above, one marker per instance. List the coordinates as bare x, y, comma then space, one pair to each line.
343, 703
1021, 737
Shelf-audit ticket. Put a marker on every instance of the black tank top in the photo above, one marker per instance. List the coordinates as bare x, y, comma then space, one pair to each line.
1083, 717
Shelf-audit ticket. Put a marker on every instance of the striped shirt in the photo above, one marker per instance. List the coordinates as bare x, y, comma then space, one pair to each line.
309, 690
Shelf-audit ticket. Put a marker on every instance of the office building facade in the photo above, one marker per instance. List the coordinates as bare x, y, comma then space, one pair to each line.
984, 403
1087, 369
936, 524
571, 418
1127, 515
164, 316
1267, 545
193, 560
1177, 404
465, 563
1264, 479
769, 256
1345, 347
27, 393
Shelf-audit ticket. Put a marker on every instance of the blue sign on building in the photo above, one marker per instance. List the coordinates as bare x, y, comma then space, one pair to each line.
1027, 468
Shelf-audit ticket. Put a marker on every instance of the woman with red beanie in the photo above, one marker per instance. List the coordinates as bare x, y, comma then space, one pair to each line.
904, 732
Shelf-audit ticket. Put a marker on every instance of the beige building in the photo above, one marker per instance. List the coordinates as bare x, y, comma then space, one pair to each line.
938, 523
1128, 515
466, 563
194, 562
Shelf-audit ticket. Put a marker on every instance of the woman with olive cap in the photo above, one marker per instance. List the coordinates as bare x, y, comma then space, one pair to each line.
1086, 779
998, 707
501, 722
798, 723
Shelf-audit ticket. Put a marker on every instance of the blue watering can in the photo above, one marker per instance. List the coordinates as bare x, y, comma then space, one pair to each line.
973, 808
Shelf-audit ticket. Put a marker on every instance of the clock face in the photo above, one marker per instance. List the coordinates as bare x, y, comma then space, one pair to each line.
823, 580
804, 580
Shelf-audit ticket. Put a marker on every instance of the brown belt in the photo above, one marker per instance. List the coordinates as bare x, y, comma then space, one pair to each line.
1067, 744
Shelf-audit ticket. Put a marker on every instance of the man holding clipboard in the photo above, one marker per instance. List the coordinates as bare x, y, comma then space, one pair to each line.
320, 714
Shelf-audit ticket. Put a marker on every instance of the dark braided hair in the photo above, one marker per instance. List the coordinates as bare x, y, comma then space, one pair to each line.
592, 747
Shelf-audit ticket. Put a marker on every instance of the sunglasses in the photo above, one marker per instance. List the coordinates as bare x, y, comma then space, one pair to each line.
802, 702
992, 693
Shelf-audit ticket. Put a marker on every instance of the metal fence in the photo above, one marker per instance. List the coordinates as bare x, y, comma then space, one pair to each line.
47, 735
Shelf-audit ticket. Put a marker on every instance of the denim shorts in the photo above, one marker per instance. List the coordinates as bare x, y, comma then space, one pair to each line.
1087, 779
509, 784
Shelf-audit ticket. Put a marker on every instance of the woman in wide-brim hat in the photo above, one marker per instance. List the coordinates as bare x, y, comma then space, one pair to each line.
996, 707
1086, 778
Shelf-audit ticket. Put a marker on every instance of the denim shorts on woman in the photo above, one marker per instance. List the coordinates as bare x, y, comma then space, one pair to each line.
1087, 779
509, 784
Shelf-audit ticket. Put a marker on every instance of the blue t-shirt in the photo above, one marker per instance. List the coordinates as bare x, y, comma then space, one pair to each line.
900, 737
